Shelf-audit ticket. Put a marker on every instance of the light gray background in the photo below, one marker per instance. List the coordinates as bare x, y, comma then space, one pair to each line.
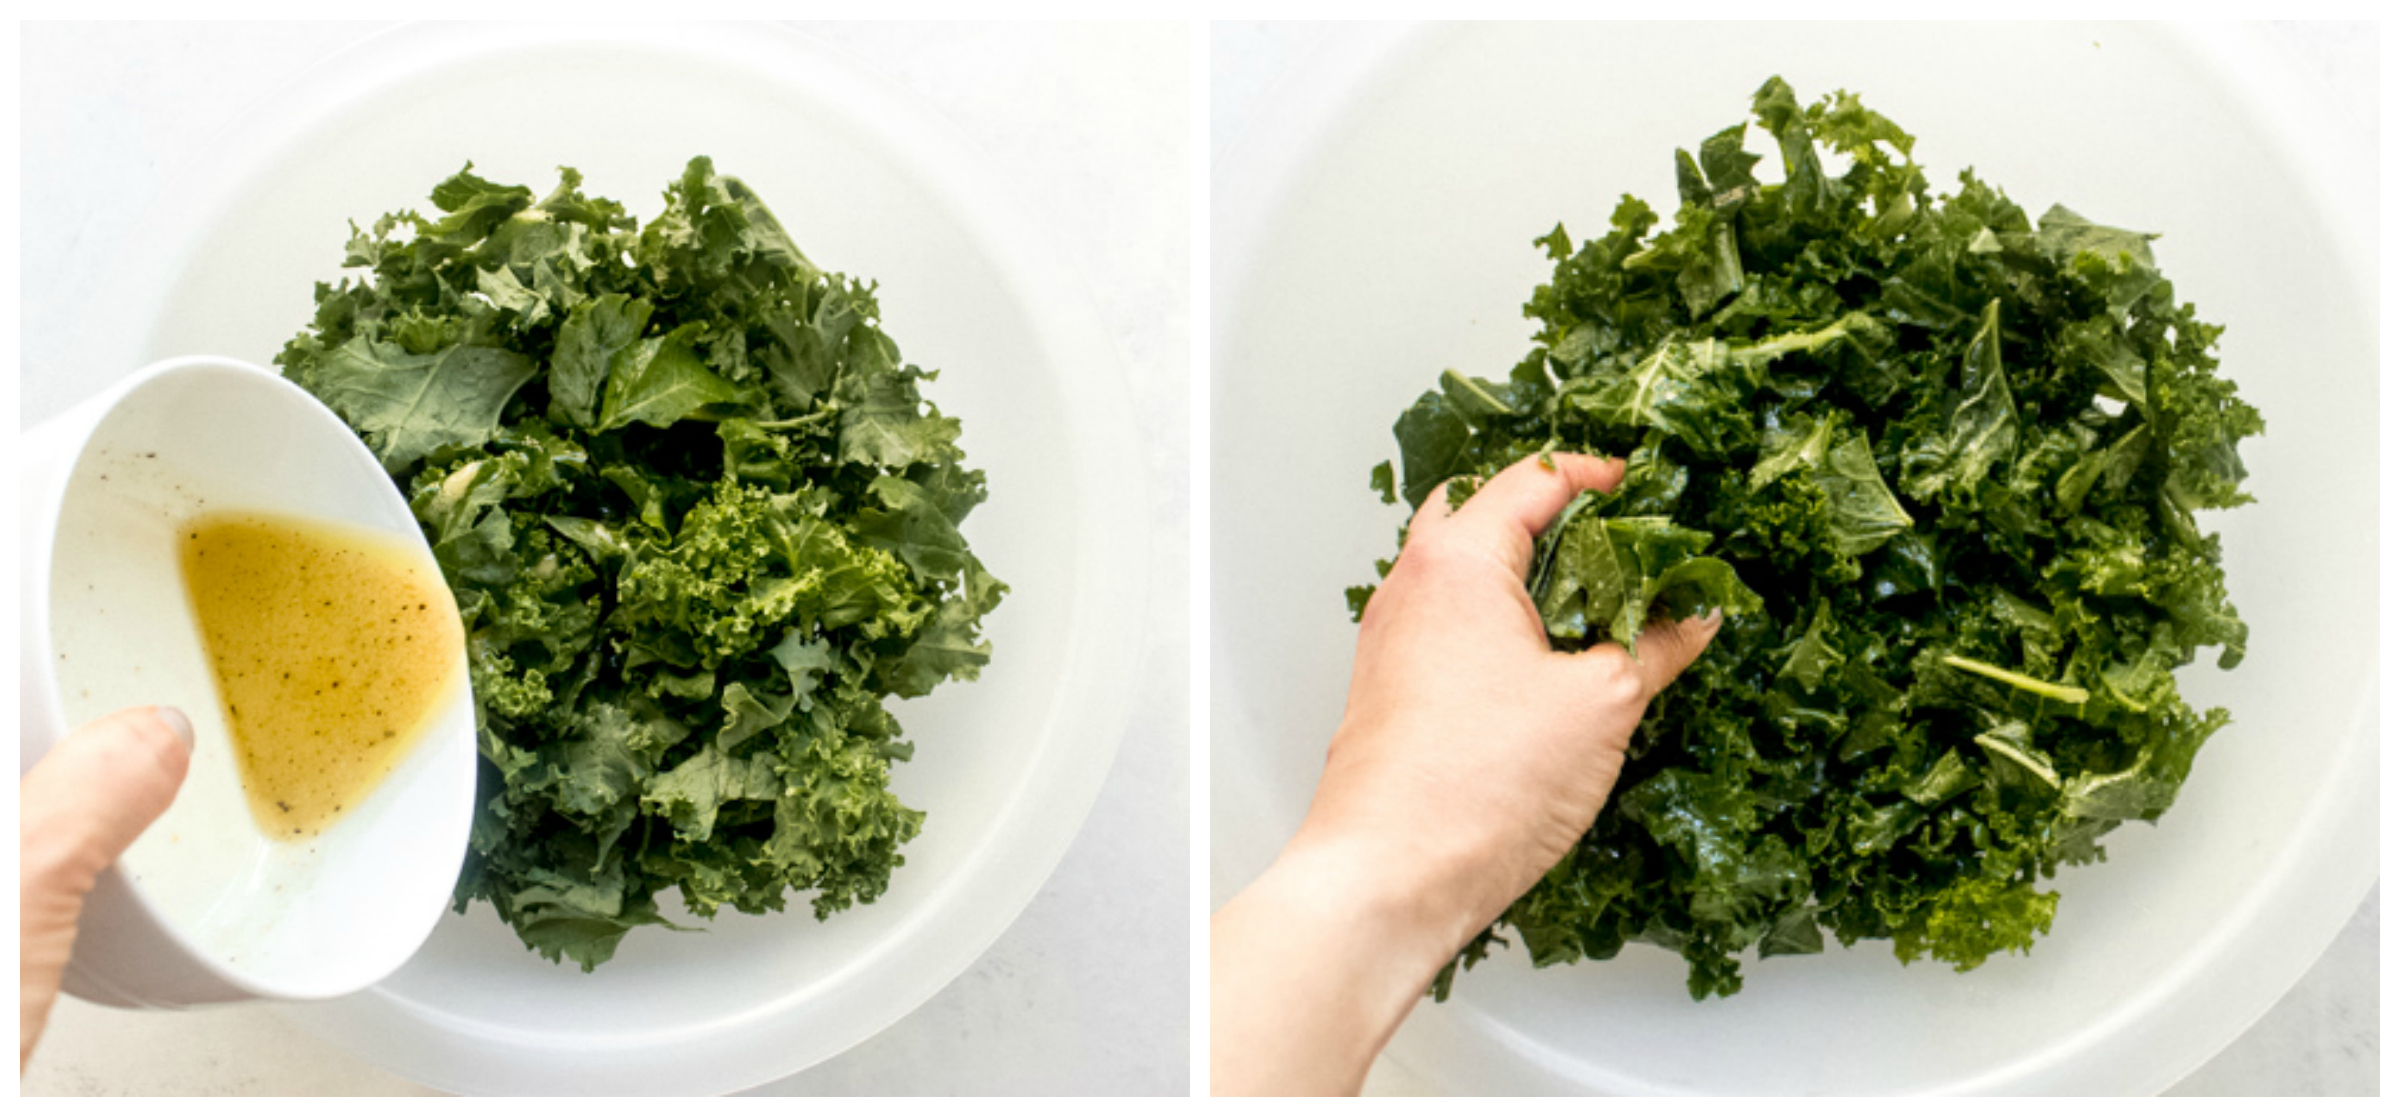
2323, 1037
1087, 128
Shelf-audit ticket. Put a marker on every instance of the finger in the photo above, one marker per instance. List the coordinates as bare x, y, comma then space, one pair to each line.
1525, 497
1434, 510
1664, 649
104, 783
87, 799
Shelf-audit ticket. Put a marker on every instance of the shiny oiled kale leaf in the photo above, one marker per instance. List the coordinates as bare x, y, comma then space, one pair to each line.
1939, 463
700, 524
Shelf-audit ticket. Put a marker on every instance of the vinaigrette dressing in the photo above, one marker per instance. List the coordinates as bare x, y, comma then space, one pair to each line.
332, 649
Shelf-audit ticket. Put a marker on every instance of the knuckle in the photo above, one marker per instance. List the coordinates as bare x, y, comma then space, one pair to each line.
1622, 685
1432, 554
1615, 680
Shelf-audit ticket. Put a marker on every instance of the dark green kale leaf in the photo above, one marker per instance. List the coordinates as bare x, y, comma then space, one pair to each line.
700, 524
1939, 464
406, 404
1609, 575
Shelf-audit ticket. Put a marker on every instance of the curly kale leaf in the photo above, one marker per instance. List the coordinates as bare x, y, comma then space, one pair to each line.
1939, 463
700, 524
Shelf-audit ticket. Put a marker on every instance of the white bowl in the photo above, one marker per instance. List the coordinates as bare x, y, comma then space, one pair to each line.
1378, 229
205, 907
867, 183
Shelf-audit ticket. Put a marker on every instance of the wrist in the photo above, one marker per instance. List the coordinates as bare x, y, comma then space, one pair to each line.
1312, 968
1441, 860
1415, 894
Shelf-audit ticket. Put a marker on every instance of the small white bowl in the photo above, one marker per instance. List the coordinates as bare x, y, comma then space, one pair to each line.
206, 908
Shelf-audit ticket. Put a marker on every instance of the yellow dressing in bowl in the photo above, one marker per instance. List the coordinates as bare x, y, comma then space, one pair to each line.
331, 649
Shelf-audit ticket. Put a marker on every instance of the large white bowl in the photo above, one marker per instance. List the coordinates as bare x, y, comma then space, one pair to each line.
1379, 231
1006, 768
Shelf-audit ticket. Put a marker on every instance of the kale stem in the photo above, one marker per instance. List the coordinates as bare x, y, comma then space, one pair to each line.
2073, 695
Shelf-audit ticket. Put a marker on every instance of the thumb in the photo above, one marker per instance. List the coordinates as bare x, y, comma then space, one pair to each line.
1665, 649
1518, 503
78, 810
101, 786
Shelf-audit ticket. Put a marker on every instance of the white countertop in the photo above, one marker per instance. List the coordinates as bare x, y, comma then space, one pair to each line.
1088, 126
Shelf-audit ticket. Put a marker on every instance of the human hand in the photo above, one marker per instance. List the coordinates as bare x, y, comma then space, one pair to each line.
79, 808
1469, 760
1471, 756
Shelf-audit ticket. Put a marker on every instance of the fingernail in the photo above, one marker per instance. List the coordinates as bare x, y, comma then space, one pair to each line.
1715, 615
176, 721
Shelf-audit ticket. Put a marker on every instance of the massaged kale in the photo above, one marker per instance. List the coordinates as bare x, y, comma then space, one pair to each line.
1938, 463
699, 523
